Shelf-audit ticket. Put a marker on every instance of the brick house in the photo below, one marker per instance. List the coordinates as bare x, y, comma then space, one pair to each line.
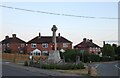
13, 44
45, 44
89, 46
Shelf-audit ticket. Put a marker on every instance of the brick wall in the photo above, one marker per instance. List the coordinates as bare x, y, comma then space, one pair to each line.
50, 47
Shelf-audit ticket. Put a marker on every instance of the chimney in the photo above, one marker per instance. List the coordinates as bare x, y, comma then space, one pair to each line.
6, 37
59, 35
84, 39
39, 35
14, 35
91, 40
103, 43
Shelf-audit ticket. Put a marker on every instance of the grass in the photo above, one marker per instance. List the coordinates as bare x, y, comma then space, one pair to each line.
83, 72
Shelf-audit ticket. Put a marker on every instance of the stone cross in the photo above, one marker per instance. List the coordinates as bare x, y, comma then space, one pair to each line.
54, 29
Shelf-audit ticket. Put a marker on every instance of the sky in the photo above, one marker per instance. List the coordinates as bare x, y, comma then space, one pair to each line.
27, 24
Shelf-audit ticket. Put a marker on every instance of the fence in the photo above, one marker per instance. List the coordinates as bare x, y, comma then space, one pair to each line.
20, 57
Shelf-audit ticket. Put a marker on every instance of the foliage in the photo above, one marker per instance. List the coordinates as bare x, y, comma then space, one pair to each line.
108, 50
63, 66
7, 50
105, 58
118, 51
26, 63
94, 58
70, 55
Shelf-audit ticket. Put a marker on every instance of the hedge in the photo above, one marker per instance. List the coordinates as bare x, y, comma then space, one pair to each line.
62, 66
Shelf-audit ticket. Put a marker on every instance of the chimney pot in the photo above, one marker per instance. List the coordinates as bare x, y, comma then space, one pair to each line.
59, 34
6, 37
91, 40
39, 35
84, 39
14, 35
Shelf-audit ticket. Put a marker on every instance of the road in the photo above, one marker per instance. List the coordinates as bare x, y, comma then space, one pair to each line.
107, 68
10, 69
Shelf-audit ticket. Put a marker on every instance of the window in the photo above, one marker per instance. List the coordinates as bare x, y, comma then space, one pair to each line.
99, 49
94, 49
8, 45
45, 45
90, 48
45, 53
22, 45
65, 45
33, 45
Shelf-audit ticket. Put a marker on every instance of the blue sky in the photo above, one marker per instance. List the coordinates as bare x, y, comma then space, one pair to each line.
27, 25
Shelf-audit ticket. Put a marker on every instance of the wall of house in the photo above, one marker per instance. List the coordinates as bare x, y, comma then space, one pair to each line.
50, 47
91, 49
39, 46
60, 46
94, 50
15, 47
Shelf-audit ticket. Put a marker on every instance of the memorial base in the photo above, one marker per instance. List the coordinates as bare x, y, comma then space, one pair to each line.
54, 57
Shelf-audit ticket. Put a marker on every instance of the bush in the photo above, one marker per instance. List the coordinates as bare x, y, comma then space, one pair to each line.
7, 50
26, 63
106, 58
94, 58
70, 55
117, 57
64, 66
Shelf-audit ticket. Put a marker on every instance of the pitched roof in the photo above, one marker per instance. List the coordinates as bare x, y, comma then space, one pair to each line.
12, 39
48, 39
86, 44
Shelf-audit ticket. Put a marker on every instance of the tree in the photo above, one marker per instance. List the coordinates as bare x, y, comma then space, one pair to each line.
115, 48
108, 50
70, 55
118, 50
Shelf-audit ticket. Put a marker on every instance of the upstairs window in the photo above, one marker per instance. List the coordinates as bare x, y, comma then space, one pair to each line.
22, 45
45, 45
33, 45
65, 45
99, 50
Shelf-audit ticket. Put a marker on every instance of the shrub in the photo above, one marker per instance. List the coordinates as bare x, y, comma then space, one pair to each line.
94, 58
64, 66
70, 55
26, 63
105, 58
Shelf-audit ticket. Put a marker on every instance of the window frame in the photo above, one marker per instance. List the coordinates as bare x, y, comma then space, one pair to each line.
22, 45
33, 45
44, 45
65, 45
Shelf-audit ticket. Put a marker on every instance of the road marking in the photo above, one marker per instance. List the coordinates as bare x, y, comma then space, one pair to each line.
117, 66
97, 65
7, 62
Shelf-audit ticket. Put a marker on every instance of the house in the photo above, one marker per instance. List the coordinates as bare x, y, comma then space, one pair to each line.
89, 46
45, 44
13, 45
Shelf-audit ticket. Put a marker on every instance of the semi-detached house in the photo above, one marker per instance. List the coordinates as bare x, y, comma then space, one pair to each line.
13, 44
45, 44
